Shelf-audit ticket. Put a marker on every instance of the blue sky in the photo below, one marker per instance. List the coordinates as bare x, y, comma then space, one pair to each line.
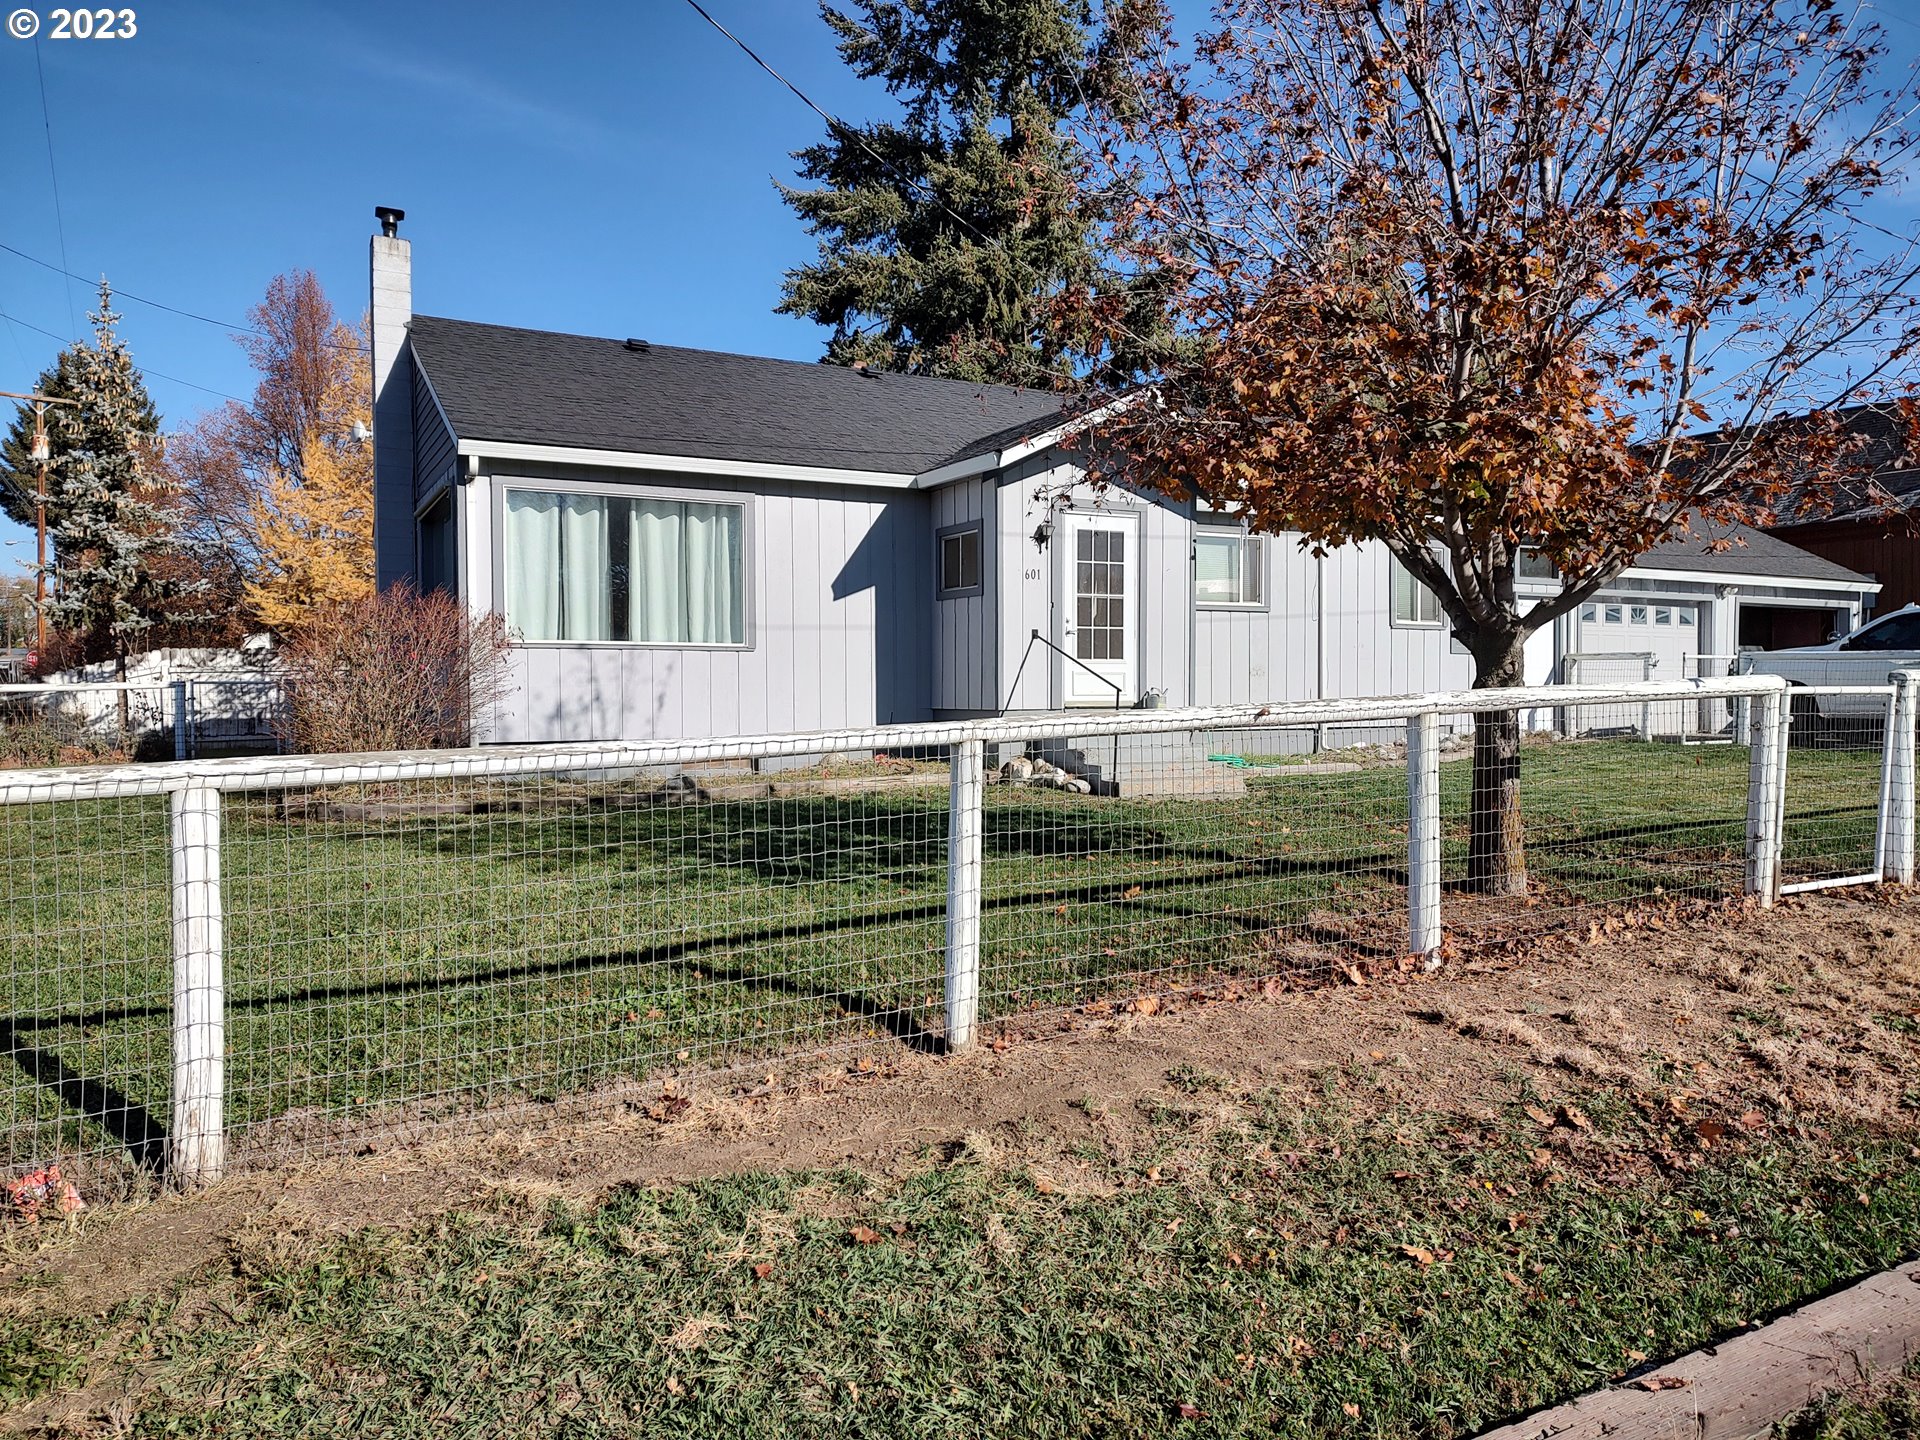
602, 168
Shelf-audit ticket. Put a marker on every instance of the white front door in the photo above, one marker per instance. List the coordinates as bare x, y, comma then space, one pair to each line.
1100, 570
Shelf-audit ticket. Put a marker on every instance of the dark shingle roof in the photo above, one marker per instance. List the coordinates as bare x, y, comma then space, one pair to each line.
1883, 454
540, 388
1746, 552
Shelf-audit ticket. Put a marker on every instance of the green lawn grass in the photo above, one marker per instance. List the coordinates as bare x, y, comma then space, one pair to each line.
1259, 1265
545, 945
1891, 1412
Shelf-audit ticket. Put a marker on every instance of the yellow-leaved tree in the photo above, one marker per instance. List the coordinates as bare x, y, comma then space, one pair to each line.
276, 495
313, 536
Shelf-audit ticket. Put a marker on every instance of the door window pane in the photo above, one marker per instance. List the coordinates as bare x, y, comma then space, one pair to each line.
1099, 595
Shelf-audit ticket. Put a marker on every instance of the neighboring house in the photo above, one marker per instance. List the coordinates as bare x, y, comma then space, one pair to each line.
1871, 527
689, 543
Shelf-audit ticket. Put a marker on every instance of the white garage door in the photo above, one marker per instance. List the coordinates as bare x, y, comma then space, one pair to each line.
1611, 637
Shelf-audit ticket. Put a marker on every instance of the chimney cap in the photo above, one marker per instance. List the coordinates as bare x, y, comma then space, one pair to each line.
389, 217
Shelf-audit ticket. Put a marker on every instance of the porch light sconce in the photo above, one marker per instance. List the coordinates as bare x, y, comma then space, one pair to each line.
1043, 533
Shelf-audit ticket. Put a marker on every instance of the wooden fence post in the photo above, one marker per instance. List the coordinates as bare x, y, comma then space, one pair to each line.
1423, 834
196, 1152
965, 823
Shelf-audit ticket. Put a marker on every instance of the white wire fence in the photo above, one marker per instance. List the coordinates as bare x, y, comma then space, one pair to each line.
216, 963
93, 723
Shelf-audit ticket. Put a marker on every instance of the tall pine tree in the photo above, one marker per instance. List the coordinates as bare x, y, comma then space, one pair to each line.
950, 236
123, 421
111, 541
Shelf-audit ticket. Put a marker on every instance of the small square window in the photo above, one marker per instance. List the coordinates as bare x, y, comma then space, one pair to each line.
1589, 613
1662, 615
1636, 614
1613, 614
1228, 567
1686, 617
960, 561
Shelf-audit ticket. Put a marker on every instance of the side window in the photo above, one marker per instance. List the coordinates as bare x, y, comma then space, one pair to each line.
1409, 602
1901, 632
960, 561
1228, 567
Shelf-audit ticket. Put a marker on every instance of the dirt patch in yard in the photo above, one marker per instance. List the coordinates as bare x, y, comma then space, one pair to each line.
1754, 1021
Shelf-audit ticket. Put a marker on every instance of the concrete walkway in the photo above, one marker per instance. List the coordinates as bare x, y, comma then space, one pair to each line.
1739, 1388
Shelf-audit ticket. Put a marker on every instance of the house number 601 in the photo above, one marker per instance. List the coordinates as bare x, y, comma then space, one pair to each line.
1033, 574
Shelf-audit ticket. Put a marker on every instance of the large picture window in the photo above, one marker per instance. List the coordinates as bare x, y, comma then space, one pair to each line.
603, 567
1227, 568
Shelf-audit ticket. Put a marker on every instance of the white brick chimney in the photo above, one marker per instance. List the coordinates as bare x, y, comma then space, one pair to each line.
392, 310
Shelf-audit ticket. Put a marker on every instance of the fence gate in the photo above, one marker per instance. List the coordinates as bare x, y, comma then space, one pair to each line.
1834, 793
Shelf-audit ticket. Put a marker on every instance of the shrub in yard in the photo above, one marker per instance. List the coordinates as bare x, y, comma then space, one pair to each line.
392, 671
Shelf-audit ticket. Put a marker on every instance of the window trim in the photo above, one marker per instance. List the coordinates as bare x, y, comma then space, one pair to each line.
940, 535
1394, 622
1214, 529
749, 521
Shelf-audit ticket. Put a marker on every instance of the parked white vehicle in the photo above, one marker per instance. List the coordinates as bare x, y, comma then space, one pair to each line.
1866, 657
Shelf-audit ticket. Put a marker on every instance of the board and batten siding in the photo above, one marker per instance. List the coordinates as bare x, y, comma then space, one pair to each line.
1032, 579
839, 627
965, 654
436, 461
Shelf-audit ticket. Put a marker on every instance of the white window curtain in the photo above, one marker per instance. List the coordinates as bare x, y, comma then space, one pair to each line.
533, 564
596, 568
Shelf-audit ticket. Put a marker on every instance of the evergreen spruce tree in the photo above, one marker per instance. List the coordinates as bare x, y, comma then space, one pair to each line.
110, 539
949, 237
117, 414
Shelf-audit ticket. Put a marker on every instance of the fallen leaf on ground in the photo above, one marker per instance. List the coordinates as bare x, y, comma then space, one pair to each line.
1661, 1382
864, 1235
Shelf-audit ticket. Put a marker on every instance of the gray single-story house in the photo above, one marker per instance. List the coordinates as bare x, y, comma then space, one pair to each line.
692, 544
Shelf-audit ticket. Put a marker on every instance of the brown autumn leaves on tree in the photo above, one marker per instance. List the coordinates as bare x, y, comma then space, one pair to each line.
276, 496
1471, 276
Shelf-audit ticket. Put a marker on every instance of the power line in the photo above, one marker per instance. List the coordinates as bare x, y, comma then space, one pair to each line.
161, 304
59, 219
841, 127
143, 369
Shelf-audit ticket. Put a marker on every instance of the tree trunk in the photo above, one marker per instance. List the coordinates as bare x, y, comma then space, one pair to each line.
120, 674
1497, 852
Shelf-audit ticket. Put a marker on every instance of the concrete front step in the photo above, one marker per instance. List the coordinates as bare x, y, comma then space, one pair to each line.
1166, 765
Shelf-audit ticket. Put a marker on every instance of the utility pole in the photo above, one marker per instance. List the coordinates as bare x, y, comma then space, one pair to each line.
42, 453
